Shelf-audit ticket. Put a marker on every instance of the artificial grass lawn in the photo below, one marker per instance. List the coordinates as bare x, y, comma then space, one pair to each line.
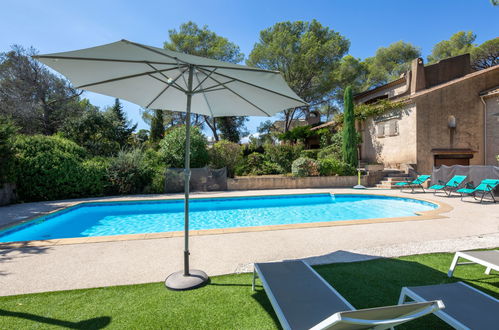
228, 302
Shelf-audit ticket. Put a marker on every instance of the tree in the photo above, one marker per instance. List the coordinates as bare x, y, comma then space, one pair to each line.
157, 126
232, 128
93, 130
458, 44
486, 55
306, 53
389, 63
349, 133
350, 72
123, 127
191, 39
172, 147
37, 100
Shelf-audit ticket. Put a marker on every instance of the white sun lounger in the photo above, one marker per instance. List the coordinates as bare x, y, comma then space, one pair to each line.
489, 259
465, 306
302, 299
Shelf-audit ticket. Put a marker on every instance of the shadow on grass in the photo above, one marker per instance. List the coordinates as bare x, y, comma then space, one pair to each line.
95, 323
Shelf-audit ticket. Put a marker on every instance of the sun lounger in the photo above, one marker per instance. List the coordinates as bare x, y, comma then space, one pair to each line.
302, 299
415, 183
449, 186
489, 259
465, 306
485, 187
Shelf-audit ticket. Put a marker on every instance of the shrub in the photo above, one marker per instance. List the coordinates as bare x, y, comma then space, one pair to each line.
154, 161
334, 149
283, 155
225, 154
50, 167
331, 166
304, 167
172, 148
95, 172
128, 173
7, 134
310, 153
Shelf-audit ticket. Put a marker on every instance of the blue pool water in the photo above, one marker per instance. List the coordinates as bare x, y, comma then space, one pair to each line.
120, 218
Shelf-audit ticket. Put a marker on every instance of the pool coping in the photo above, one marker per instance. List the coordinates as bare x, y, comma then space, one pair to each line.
422, 215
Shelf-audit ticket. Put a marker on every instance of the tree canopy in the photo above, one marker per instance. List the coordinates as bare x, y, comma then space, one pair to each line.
307, 53
458, 44
486, 55
389, 63
194, 40
37, 100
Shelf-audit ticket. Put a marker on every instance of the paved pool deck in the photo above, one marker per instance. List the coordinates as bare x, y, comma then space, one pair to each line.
32, 268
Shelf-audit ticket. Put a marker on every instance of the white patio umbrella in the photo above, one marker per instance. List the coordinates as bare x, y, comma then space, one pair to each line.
156, 78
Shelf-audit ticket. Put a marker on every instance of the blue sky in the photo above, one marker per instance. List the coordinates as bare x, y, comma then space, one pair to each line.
61, 25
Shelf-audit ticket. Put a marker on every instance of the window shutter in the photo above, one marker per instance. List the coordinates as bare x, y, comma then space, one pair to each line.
381, 129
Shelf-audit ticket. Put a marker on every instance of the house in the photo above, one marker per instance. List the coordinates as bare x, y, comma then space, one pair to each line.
450, 115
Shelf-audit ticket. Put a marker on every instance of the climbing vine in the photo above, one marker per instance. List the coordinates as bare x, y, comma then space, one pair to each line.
363, 111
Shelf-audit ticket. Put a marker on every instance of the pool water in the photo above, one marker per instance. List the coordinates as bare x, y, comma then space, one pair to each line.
121, 218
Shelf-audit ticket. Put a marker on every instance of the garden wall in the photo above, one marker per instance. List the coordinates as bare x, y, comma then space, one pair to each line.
286, 182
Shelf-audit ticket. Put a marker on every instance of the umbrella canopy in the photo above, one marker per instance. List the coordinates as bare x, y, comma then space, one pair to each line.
156, 78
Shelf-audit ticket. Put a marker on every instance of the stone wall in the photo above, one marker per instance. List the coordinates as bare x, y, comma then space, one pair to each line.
492, 121
391, 150
286, 182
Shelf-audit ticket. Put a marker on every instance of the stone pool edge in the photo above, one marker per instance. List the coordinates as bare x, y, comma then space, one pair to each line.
423, 215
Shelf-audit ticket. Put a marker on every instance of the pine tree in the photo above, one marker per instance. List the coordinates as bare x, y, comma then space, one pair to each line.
124, 127
157, 126
349, 133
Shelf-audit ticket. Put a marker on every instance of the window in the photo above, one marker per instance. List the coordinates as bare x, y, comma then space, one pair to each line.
380, 129
393, 128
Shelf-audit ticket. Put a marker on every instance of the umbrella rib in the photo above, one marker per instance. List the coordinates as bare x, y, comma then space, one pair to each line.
200, 83
205, 98
56, 57
256, 86
164, 90
205, 65
166, 82
242, 97
122, 78
214, 87
167, 78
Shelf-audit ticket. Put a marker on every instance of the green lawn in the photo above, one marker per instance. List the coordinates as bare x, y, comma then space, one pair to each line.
228, 302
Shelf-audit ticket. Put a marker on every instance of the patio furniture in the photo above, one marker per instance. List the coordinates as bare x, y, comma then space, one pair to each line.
485, 187
489, 259
302, 299
465, 306
449, 186
418, 182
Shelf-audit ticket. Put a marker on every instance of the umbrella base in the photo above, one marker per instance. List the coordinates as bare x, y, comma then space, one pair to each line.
178, 281
359, 186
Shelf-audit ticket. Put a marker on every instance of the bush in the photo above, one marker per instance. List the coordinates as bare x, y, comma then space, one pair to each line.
334, 149
310, 153
256, 164
50, 167
283, 155
172, 148
128, 173
331, 166
154, 161
95, 171
7, 134
304, 167
225, 154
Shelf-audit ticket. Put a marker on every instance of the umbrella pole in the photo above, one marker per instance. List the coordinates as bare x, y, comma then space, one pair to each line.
188, 278
187, 179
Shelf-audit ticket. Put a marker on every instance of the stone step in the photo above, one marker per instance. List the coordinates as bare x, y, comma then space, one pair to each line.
384, 186
398, 175
395, 179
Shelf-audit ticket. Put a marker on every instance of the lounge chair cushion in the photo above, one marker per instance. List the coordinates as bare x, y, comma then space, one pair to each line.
437, 187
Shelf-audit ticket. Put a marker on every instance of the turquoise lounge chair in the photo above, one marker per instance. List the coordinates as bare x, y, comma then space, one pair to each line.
485, 187
416, 183
451, 185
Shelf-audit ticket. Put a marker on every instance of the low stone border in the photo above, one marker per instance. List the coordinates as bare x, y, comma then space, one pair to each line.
424, 215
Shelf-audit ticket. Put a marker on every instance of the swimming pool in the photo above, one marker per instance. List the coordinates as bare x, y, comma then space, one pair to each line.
138, 217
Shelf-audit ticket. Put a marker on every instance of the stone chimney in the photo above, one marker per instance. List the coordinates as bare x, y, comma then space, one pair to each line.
418, 81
